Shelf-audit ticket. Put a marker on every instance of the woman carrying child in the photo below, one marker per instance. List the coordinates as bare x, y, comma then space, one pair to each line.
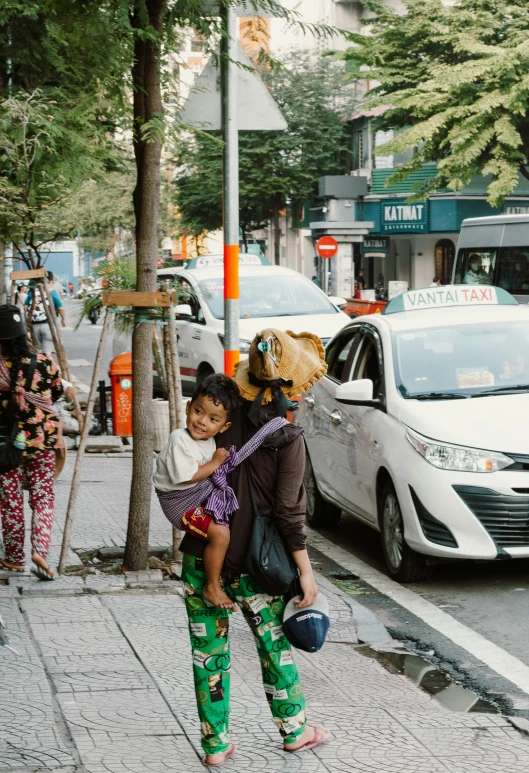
280, 365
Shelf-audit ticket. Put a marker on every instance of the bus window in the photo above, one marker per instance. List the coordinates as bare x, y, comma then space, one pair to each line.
513, 270
475, 266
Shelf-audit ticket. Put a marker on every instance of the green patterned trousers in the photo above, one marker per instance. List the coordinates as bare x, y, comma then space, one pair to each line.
209, 631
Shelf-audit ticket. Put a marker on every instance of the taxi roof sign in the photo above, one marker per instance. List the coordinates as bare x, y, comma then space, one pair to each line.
245, 259
450, 296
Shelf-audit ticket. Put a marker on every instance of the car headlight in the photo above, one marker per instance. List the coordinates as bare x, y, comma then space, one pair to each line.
457, 458
244, 345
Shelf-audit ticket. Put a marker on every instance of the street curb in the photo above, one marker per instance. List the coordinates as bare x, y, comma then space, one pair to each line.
369, 629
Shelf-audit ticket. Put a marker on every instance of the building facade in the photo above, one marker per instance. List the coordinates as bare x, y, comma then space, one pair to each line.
380, 231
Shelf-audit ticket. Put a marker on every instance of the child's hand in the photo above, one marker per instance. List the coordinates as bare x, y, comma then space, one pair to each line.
220, 456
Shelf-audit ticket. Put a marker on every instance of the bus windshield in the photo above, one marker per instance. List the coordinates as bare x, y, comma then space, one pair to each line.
507, 267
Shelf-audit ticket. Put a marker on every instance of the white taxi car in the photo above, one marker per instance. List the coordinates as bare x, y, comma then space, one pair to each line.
270, 296
421, 428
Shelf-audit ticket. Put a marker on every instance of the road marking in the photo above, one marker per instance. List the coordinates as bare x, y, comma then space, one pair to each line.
477, 645
80, 363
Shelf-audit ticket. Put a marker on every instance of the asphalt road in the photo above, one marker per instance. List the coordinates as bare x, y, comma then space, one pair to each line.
491, 600
81, 345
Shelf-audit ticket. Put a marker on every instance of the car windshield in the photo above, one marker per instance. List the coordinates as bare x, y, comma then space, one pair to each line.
276, 295
462, 360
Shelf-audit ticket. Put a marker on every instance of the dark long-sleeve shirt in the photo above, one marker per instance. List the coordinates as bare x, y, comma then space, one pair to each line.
276, 470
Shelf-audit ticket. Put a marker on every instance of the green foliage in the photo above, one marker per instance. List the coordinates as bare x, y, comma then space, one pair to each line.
275, 167
77, 46
117, 274
455, 79
48, 147
101, 206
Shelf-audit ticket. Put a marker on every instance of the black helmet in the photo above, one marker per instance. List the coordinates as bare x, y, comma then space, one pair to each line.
11, 322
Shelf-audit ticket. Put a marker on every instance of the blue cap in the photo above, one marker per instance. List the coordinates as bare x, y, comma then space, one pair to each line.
306, 628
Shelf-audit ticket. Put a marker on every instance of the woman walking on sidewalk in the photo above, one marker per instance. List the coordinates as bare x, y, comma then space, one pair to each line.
29, 385
280, 365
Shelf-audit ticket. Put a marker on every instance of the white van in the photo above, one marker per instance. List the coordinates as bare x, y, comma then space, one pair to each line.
495, 251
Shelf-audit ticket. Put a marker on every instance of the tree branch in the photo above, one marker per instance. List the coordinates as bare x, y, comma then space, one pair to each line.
525, 172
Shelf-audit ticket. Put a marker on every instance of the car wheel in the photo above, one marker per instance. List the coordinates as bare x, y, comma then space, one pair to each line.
403, 563
319, 512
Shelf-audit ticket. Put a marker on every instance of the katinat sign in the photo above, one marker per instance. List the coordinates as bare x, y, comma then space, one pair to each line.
397, 216
516, 208
375, 247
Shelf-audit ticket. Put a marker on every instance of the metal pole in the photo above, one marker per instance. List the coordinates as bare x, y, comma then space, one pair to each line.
82, 445
231, 188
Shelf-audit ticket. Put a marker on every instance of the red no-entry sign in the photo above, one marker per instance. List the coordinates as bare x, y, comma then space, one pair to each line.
327, 247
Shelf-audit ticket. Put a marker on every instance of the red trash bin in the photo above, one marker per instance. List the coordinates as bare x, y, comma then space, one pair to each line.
120, 373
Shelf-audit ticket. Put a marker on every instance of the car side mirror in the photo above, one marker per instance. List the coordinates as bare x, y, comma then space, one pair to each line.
183, 311
340, 302
358, 392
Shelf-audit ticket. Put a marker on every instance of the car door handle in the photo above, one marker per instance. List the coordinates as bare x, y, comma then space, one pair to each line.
336, 417
309, 400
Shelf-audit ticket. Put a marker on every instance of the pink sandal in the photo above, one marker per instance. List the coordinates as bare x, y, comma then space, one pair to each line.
230, 754
321, 736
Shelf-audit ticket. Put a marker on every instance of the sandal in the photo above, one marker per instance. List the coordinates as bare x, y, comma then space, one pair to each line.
321, 736
42, 573
230, 754
16, 568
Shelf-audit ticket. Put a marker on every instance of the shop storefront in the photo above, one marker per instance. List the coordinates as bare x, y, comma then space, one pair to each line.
422, 236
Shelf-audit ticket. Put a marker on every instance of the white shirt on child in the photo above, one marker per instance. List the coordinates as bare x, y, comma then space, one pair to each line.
179, 460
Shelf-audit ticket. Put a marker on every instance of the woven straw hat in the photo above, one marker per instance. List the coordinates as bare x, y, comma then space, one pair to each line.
292, 361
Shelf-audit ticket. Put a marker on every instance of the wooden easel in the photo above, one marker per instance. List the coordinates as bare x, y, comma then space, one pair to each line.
113, 299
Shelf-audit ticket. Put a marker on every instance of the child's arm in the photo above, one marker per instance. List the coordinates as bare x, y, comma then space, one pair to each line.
205, 470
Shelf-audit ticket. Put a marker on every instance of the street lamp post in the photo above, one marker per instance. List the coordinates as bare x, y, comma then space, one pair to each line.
230, 188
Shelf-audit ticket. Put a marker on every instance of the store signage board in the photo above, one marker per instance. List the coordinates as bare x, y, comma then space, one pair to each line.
515, 208
375, 247
399, 217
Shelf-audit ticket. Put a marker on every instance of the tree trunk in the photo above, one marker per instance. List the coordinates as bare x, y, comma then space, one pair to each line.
2, 272
277, 237
147, 106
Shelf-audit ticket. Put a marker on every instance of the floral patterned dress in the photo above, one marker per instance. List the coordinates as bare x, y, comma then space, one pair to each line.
40, 428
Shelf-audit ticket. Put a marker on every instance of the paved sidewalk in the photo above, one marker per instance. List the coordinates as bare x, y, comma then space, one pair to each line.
103, 683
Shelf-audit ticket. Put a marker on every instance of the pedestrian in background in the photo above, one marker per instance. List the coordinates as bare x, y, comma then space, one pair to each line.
279, 366
316, 281
55, 286
70, 288
39, 320
436, 282
39, 432
20, 296
361, 279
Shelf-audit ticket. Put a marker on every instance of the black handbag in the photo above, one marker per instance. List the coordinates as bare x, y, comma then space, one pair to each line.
268, 561
10, 454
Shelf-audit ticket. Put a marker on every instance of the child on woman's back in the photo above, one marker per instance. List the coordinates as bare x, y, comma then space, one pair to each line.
191, 456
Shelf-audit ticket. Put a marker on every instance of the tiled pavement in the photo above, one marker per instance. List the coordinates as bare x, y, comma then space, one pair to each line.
103, 684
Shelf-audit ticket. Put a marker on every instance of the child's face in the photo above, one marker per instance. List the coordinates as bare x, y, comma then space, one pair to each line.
205, 419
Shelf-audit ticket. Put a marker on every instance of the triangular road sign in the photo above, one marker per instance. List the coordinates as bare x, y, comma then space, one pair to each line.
256, 109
